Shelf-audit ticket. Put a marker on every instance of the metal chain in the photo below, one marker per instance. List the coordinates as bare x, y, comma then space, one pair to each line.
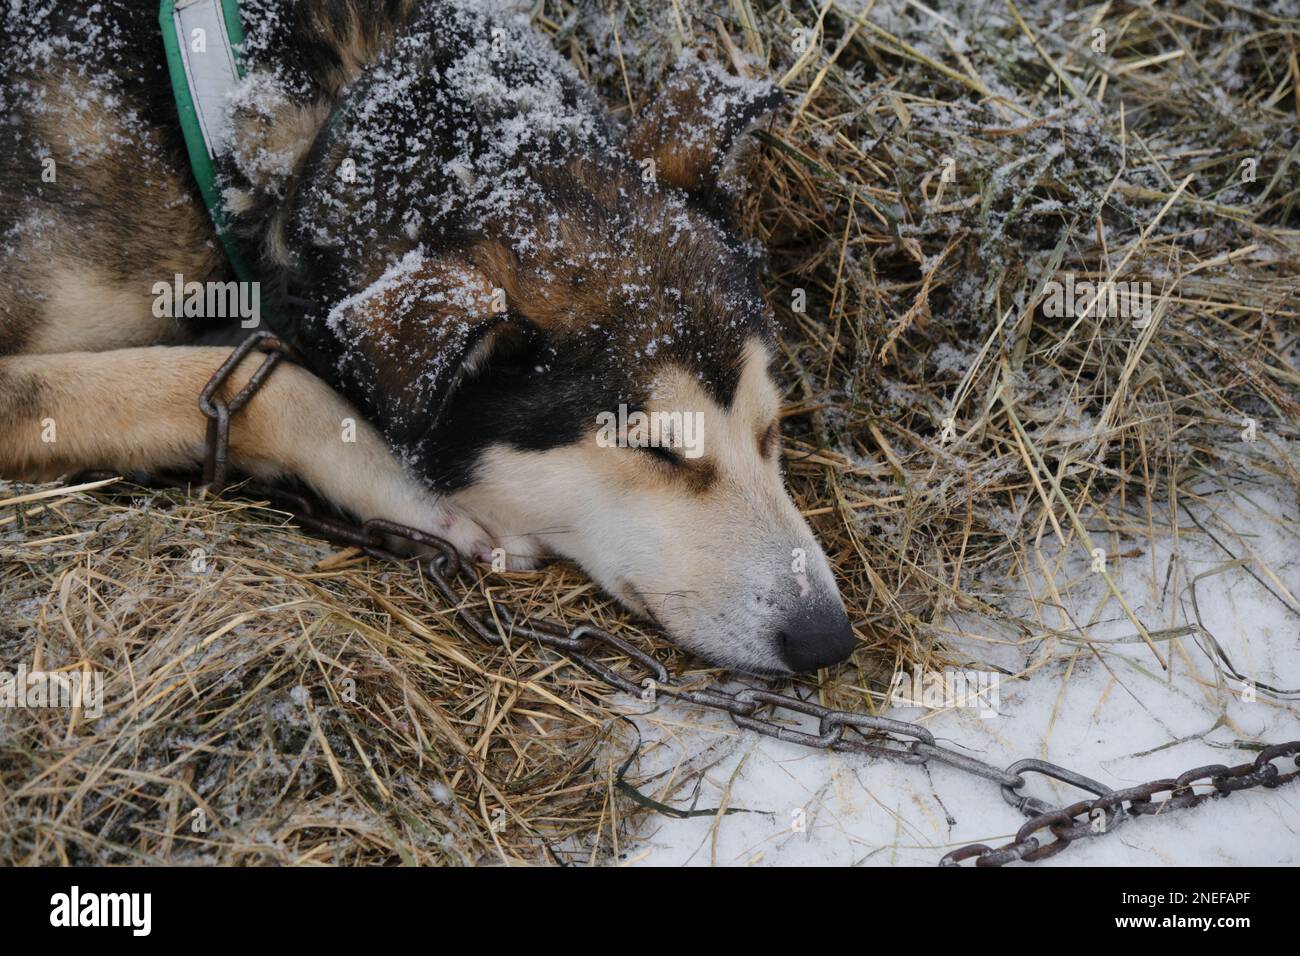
1108, 811
219, 410
837, 730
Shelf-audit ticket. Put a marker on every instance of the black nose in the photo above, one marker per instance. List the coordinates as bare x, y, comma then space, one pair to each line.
816, 637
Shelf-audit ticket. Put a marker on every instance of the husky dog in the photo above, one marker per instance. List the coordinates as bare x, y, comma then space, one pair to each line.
479, 271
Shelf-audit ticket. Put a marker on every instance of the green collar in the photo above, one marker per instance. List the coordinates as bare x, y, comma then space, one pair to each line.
202, 40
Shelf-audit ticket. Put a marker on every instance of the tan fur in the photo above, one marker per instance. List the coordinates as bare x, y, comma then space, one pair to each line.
88, 311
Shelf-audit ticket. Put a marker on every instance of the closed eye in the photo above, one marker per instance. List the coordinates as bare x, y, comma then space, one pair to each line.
697, 473
664, 455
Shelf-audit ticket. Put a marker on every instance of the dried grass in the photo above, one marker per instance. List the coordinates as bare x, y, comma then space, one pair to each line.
229, 689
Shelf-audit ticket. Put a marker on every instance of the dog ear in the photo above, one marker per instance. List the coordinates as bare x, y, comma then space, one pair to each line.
692, 127
414, 336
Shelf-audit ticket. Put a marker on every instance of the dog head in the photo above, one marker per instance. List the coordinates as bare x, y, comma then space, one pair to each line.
674, 503
572, 344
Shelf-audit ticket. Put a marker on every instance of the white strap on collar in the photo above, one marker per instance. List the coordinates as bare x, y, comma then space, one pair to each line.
202, 40
204, 44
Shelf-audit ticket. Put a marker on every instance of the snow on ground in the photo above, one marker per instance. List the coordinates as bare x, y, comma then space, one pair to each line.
1094, 699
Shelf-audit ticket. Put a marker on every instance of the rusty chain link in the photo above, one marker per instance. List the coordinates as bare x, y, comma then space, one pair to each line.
219, 410
874, 736
1110, 805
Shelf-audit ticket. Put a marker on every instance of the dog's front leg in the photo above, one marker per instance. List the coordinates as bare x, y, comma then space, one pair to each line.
136, 410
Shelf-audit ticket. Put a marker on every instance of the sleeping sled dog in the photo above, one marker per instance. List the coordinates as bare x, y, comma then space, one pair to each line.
517, 325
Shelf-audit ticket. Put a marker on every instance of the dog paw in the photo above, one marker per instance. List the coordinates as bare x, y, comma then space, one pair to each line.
466, 536
470, 539
513, 554
479, 542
